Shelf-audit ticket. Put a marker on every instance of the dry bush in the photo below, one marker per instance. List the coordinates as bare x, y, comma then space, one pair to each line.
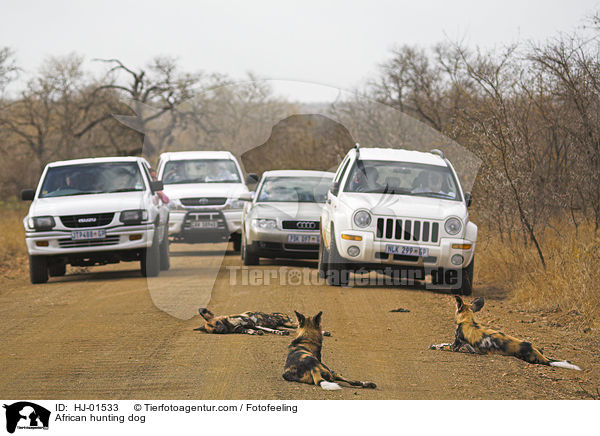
13, 252
568, 285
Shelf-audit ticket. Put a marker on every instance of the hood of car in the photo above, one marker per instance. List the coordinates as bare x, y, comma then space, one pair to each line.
409, 206
299, 211
193, 190
87, 204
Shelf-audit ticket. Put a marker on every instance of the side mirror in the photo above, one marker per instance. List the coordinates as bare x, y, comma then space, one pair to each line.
334, 188
246, 196
251, 179
468, 198
156, 185
27, 194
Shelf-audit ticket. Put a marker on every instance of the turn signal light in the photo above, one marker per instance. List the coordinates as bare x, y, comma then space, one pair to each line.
135, 237
41, 243
462, 246
351, 237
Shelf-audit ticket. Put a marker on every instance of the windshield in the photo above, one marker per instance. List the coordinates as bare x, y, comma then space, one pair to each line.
404, 178
201, 171
96, 178
294, 189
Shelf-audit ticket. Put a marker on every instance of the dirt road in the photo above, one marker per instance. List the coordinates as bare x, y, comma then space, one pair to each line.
99, 335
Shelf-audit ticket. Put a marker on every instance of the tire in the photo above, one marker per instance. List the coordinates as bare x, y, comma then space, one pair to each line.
38, 269
466, 287
248, 256
150, 261
323, 259
165, 260
237, 242
337, 271
57, 270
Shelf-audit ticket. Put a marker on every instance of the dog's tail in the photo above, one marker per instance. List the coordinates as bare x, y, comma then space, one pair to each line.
564, 364
329, 386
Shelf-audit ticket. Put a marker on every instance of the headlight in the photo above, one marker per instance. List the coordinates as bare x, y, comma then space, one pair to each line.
236, 204
134, 216
362, 218
452, 226
265, 223
174, 204
42, 223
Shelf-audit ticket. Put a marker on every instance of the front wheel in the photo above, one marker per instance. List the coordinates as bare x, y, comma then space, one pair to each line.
248, 255
237, 242
165, 260
57, 270
150, 260
337, 271
38, 269
323, 259
466, 274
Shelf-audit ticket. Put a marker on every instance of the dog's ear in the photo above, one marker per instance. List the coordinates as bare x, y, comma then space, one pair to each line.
459, 303
205, 313
477, 304
301, 319
317, 319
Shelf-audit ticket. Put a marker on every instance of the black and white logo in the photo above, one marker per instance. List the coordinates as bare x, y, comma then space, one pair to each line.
86, 220
306, 225
26, 415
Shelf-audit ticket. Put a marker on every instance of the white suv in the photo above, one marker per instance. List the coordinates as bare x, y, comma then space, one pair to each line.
398, 211
203, 188
96, 211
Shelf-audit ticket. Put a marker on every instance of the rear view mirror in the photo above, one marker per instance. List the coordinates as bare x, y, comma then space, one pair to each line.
156, 185
251, 179
468, 198
246, 196
334, 188
27, 194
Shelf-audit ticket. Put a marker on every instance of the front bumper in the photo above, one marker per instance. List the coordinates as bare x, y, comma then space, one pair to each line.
59, 242
177, 218
276, 243
373, 252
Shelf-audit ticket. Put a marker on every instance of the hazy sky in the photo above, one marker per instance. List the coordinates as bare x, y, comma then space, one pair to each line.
335, 43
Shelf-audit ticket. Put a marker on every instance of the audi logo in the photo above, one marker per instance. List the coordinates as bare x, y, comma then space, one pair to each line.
306, 225
86, 220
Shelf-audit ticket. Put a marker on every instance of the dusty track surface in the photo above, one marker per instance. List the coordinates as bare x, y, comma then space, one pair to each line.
99, 335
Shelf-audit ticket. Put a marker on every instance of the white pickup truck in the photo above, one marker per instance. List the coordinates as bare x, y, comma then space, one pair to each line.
96, 211
203, 189
398, 211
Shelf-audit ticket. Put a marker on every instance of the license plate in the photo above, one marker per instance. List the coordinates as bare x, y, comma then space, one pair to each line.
304, 239
406, 250
204, 224
88, 234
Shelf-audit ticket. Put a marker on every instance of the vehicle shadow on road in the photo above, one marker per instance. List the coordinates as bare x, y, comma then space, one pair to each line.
203, 253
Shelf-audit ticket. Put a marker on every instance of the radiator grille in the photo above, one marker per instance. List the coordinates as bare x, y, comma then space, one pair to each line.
408, 230
92, 220
204, 201
70, 243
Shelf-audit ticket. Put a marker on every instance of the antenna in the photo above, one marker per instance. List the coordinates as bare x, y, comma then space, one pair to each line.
357, 148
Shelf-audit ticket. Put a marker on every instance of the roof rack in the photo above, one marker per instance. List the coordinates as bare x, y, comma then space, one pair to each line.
438, 152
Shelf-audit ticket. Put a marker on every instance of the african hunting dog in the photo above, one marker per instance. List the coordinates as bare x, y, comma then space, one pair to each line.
473, 338
303, 363
250, 323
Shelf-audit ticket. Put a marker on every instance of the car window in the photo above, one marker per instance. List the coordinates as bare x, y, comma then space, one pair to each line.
343, 166
200, 171
96, 178
404, 178
294, 189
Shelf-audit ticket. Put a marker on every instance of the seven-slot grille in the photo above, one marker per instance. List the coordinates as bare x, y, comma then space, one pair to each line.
204, 201
300, 225
93, 220
408, 230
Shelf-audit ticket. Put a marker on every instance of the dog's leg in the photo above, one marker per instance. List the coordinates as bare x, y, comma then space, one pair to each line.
274, 331
444, 346
357, 383
251, 332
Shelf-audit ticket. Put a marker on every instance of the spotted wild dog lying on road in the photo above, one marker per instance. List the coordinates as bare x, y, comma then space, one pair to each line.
303, 363
473, 338
250, 323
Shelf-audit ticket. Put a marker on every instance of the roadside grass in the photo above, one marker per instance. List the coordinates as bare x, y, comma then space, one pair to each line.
13, 252
570, 284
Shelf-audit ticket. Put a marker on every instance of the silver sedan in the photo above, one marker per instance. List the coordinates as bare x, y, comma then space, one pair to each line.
281, 219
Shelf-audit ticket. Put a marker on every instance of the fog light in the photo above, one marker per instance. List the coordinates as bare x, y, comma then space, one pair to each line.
353, 251
457, 259
42, 243
135, 237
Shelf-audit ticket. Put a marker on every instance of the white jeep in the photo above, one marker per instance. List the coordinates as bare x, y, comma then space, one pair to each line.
398, 212
96, 211
203, 189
